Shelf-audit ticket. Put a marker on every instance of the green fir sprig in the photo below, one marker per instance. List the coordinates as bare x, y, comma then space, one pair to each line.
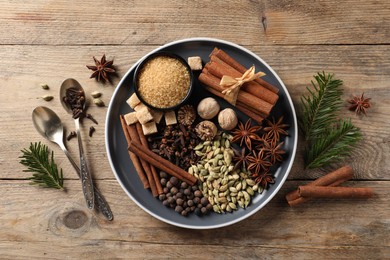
329, 139
37, 159
320, 107
336, 142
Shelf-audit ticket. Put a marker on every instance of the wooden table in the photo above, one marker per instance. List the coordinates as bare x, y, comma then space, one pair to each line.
45, 41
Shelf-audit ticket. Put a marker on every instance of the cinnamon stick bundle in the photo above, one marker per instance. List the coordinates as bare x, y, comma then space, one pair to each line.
219, 68
334, 192
236, 65
136, 162
258, 105
161, 163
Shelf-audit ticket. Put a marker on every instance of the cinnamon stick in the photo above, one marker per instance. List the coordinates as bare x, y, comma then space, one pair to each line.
260, 106
219, 68
232, 62
332, 179
145, 165
247, 111
133, 157
334, 192
156, 179
161, 163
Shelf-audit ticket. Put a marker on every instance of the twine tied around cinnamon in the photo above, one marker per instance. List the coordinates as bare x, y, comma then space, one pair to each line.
233, 85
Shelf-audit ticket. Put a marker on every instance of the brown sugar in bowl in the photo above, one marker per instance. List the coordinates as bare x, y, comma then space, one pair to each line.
163, 81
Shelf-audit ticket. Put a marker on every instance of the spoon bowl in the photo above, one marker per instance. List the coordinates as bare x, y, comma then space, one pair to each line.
47, 123
70, 84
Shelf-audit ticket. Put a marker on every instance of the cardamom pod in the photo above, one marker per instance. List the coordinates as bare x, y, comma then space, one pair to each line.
232, 205
96, 94
98, 102
47, 97
250, 191
250, 182
228, 208
44, 86
239, 186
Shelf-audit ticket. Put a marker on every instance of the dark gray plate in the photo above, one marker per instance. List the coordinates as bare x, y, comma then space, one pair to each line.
124, 170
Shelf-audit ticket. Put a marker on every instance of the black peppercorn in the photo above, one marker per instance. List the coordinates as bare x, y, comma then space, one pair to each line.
187, 192
174, 181
162, 197
184, 185
174, 190
204, 201
179, 209
198, 193
171, 200
198, 212
179, 202
163, 174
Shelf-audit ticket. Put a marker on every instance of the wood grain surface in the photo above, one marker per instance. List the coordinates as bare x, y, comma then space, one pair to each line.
47, 41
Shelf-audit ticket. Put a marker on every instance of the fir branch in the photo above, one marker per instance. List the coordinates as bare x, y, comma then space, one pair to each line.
319, 108
333, 144
328, 139
45, 171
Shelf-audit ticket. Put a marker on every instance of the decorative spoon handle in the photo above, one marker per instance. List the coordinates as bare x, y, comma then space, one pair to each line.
101, 203
85, 175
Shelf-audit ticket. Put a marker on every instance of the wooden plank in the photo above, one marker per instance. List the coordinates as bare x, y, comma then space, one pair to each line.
321, 228
363, 69
157, 22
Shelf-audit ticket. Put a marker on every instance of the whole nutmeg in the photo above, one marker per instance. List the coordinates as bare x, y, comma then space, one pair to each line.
206, 130
208, 108
227, 119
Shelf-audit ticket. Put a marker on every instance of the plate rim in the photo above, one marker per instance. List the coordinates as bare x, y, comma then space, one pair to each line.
288, 97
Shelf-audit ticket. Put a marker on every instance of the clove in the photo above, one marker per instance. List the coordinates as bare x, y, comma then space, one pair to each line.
91, 131
71, 135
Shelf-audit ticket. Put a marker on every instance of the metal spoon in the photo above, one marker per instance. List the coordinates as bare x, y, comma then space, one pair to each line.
86, 179
49, 125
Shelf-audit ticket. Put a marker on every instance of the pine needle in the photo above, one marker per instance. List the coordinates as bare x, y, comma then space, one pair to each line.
319, 108
333, 145
37, 159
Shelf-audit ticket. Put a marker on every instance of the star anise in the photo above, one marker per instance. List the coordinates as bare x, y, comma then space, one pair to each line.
274, 151
102, 69
246, 133
258, 162
265, 179
275, 129
359, 104
240, 158
260, 143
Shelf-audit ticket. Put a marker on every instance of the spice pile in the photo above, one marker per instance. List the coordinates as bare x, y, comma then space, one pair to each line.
201, 158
